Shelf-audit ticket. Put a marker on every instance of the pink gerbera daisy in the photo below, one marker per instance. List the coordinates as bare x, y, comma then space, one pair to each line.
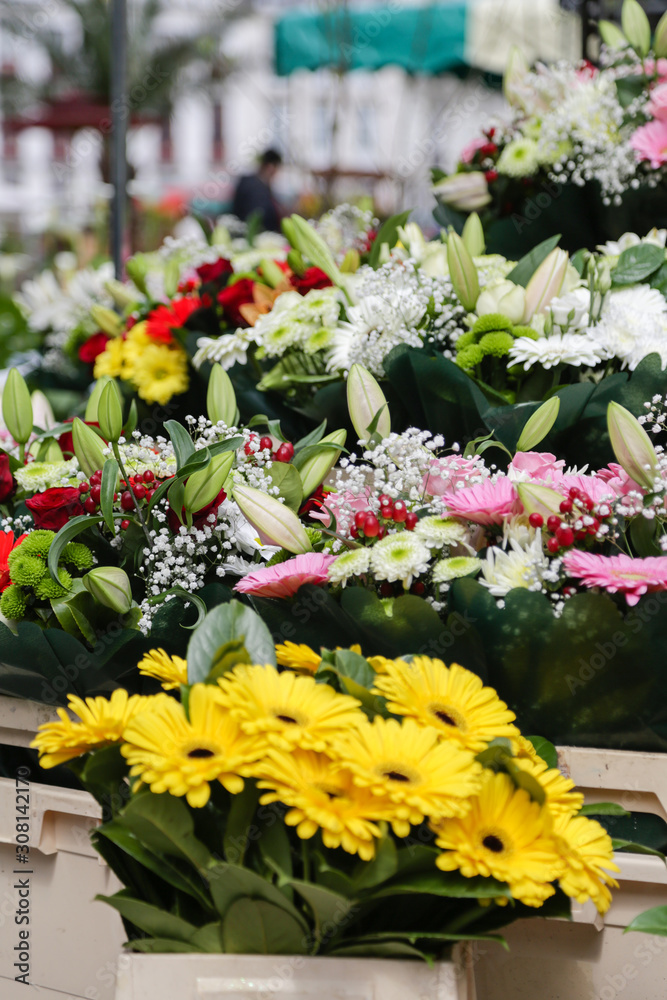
650, 142
485, 503
618, 574
284, 579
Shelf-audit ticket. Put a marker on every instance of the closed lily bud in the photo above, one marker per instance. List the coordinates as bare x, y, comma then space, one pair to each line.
94, 399
636, 27
296, 262
351, 262
538, 424
110, 585
502, 297
110, 412
202, 487
611, 35
538, 499
42, 414
365, 400
473, 235
660, 38
462, 272
546, 283
88, 447
311, 245
48, 452
465, 192
137, 271
107, 320
171, 276
515, 74
17, 407
122, 294
316, 468
220, 397
271, 272
274, 520
632, 446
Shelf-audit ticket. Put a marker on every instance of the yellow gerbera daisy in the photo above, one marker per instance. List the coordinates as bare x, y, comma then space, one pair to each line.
323, 797
172, 753
379, 663
451, 699
102, 721
297, 656
410, 765
171, 671
560, 797
505, 835
286, 709
160, 372
111, 359
586, 848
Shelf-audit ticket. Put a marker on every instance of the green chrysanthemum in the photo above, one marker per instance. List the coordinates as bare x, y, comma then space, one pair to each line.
469, 357
519, 159
38, 543
490, 323
24, 569
525, 331
466, 340
13, 603
318, 340
496, 345
354, 562
280, 557
78, 555
39, 476
455, 567
47, 588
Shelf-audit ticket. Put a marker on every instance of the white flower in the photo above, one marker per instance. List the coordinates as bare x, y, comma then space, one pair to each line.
399, 557
614, 248
520, 158
569, 312
39, 476
354, 562
438, 531
569, 349
633, 324
455, 567
502, 297
523, 567
228, 349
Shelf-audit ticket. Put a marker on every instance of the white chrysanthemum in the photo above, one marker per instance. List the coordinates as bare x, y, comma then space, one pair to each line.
226, 350
377, 322
40, 476
569, 312
436, 531
614, 248
523, 566
520, 158
354, 562
569, 348
633, 324
399, 557
455, 567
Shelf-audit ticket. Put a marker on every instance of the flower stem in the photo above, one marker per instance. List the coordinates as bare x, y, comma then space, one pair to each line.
124, 475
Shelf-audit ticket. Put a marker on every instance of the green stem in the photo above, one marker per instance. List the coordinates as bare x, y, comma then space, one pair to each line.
124, 475
305, 859
22, 454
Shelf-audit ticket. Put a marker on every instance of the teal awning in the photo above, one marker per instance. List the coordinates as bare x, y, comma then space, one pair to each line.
427, 39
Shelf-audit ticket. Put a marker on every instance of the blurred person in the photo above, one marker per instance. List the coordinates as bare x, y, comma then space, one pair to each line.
253, 194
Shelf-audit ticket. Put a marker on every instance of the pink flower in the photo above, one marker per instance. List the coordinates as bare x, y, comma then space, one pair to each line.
539, 465
343, 506
468, 152
445, 474
595, 488
618, 574
657, 106
650, 143
617, 479
285, 579
658, 68
485, 503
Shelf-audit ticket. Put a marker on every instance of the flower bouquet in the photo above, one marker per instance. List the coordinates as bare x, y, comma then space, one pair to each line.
583, 152
345, 806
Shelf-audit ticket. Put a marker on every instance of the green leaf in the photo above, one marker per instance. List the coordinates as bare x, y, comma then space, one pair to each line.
176, 497
107, 490
632, 848
313, 438
199, 461
188, 598
229, 656
209, 938
327, 907
285, 476
255, 927
388, 233
229, 883
603, 809
69, 531
165, 825
637, 263
230, 444
522, 272
236, 837
184, 447
381, 868
150, 919
223, 624
159, 946
384, 949
544, 749
274, 845
653, 921
450, 884
526, 781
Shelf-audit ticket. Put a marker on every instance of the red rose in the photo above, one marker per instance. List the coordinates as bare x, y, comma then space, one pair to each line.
53, 508
165, 319
7, 483
92, 347
211, 272
233, 296
312, 278
66, 440
200, 517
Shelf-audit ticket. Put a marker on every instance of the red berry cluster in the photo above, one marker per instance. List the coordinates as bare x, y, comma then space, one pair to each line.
283, 453
368, 525
142, 486
580, 519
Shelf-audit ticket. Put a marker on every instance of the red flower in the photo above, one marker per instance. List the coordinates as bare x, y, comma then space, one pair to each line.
233, 296
211, 272
92, 347
200, 517
7, 483
66, 441
312, 278
53, 508
163, 320
7, 544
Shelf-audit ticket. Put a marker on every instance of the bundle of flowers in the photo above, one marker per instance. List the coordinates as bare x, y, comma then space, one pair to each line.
572, 124
396, 798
